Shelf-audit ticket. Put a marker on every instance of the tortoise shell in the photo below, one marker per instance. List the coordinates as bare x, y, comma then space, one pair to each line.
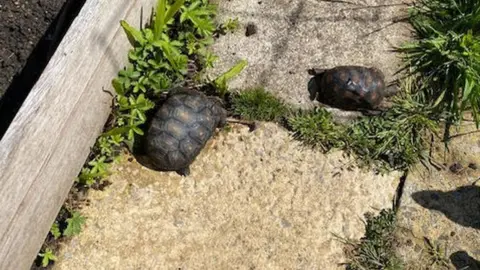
180, 129
351, 87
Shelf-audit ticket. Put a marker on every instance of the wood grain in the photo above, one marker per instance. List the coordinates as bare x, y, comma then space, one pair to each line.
49, 140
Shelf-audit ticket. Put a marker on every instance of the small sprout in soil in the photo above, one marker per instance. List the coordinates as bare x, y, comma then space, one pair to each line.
48, 257
231, 25
258, 104
438, 255
55, 231
220, 83
74, 224
227, 128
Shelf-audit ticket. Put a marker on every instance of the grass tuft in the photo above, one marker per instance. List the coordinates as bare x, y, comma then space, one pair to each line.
316, 128
395, 140
446, 53
376, 249
258, 104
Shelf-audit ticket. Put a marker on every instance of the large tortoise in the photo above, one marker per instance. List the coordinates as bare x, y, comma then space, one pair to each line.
181, 127
351, 88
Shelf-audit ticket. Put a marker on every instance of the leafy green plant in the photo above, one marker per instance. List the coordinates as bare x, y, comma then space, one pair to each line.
231, 25
198, 13
160, 58
220, 82
446, 53
459, 16
74, 224
438, 255
316, 127
55, 231
97, 169
258, 104
48, 256
375, 250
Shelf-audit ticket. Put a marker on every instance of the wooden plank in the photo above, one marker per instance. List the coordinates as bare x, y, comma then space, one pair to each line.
48, 141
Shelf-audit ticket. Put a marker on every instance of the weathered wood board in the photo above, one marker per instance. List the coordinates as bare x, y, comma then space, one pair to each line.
50, 138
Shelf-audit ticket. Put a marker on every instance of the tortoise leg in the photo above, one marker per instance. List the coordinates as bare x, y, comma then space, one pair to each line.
316, 71
391, 90
312, 88
184, 171
382, 107
251, 124
371, 112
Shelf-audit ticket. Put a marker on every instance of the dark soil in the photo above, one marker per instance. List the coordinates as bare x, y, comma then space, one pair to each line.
22, 25
30, 31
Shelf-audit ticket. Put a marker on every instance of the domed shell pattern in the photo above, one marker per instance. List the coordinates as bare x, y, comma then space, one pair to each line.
180, 129
351, 87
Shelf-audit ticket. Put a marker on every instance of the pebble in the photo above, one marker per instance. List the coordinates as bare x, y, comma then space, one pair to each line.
285, 223
456, 167
251, 29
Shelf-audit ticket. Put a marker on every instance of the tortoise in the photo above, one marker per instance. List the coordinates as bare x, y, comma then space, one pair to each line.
181, 127
351, 88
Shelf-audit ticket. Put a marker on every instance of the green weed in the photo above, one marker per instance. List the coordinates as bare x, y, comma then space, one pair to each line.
258, 104
375, 250
74, 224
395, 140
430, 16
231, 25
316, 128
438, 255
55, 231
446, 53
220, 83
48, 256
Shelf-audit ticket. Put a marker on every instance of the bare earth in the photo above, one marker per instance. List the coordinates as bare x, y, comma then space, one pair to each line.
255, 200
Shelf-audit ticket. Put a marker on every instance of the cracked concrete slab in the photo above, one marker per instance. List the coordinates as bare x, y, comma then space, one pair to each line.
295, 35
256, 200
444, 206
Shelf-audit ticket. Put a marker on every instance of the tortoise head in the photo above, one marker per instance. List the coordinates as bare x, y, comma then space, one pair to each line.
314, 82
181, 90
218, 106
314, 86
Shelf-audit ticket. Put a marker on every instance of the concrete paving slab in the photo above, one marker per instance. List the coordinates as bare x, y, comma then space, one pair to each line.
293, 36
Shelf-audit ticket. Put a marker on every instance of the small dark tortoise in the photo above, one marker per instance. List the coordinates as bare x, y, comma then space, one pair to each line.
351, 88
181, 127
